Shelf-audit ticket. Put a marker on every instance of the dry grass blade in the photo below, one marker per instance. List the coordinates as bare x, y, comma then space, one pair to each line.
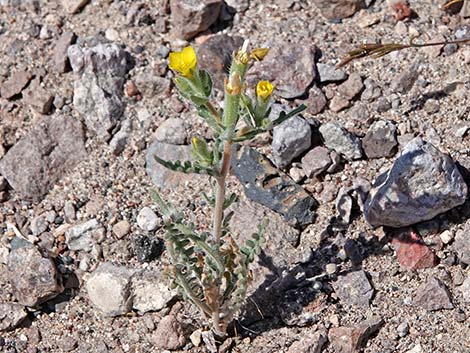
373, 50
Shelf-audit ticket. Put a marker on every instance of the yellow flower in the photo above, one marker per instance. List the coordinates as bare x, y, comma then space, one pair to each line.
184, 61
264, 89
259, 53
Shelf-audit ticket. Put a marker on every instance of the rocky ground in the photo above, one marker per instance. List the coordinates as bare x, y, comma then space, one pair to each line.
368, 245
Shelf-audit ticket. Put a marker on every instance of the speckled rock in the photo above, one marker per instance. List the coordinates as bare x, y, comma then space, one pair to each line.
337, 138
422, 183
290, 140
11, 315
150, 292
433, 295
349, 339
380, 140
170, 334
354, 288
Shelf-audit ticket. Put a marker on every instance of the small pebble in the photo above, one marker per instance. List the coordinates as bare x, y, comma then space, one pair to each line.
403, 329
147, 219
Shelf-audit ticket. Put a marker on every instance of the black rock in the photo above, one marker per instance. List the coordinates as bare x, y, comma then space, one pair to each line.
266, 185
147, 248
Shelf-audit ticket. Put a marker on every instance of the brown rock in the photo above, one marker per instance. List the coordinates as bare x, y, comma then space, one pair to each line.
433, 295
290, 66
215, 55
60, 60
350, 339
310, 344
15, 84
351, 87
34, 278
43, 156
37, 97
316, 161
170, 334
316, 101
74, 6
190, 17
338, 9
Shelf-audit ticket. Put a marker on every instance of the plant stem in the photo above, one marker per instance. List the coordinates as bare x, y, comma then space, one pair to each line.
217, 226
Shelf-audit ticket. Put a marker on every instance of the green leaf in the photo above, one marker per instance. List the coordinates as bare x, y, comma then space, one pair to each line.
283, 116
186, 167
209, 118
206, 82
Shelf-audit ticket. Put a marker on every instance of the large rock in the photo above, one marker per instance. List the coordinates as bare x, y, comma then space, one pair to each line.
422, 183
11, 315
290, 140
43, 156
268, 186
150, 292
433, 295
289, 66
337, 138
163, 177
215, 55
110, 289
190, 17
354, 289
338, 9
15, 84
98, 88
33, 278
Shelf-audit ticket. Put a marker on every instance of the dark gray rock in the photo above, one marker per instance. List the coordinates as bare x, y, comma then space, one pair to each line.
33, 278
15, 84
316, 161
337, 138
43, 156
266, 185
461, 244
290, 140
422, 183
289, 66
190, 17
380, 140
433, 295
354, 289
349, 339
344, 203
11, 315
147, 248
99, 85
60, 59
215, 54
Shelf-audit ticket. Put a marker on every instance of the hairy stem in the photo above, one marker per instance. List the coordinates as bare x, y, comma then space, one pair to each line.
217, 226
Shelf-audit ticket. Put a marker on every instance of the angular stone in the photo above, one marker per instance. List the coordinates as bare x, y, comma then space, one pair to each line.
339, 9
380, 140
121, 229
329, 73
11, 315
15, 84
109, 289
313, 343
98, 88
351, 87
339, 103
404, 82
74, 6
172, 130
150, 292
316, 101
170, 334
60, 59
412, 253
422, 183
83, 236
290, 140
289, 66
348, 339
163, 177
337, 138
433, 295
354, 289
190, 17
316, 161
215, 55
462, 244
34, 278
37, 97
268, 186
40, 159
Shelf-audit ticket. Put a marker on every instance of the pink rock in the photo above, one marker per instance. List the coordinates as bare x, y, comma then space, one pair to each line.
412, 252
